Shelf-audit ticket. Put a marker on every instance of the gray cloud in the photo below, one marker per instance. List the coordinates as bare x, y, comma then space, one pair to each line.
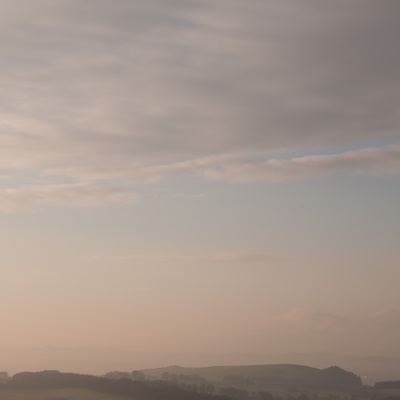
97, 90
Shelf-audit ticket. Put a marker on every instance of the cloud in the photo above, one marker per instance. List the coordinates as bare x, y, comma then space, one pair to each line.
235, 168
189, 196
241, 258
97, 91
313, 330
311, 321
74, 195
232, 258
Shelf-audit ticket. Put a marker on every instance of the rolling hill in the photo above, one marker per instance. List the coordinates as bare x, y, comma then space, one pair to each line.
274, 378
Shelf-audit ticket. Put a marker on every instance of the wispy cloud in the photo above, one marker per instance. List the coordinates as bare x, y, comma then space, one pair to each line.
93, 92
241, 258
231, 258
189, 196
74, 195
235, 168
308, 320
318, 330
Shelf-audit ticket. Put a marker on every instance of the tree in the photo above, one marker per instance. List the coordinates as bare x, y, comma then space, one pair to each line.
138, 375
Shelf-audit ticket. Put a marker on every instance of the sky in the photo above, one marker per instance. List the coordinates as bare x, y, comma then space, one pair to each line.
200, 176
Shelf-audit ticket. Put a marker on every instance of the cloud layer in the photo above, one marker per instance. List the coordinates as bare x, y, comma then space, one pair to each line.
99, 92
315, 330
235, 168
230, 259
74, 195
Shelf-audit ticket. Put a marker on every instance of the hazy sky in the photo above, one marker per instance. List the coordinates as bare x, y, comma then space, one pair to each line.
200, 175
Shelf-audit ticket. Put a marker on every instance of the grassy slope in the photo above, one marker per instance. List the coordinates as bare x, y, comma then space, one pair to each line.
55, 394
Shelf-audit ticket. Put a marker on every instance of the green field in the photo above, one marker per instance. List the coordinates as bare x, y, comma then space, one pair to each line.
55, 394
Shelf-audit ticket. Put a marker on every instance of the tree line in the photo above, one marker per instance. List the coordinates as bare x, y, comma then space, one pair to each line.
143, 390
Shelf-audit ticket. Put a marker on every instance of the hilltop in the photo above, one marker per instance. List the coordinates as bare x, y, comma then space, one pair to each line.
274, 378
253, 382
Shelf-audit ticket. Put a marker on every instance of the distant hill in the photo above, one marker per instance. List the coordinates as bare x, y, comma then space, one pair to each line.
100, 360
22, 385
231, 383
387, 385
274, 378
217, 373
371, 369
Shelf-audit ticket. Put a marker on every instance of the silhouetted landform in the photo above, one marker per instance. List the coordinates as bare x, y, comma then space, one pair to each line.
139, 390
390, 389
370, 369
387, 385
134, 375
274, 377
97, 361
296, 382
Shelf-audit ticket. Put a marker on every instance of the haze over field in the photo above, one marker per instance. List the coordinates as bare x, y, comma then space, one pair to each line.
200, 177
